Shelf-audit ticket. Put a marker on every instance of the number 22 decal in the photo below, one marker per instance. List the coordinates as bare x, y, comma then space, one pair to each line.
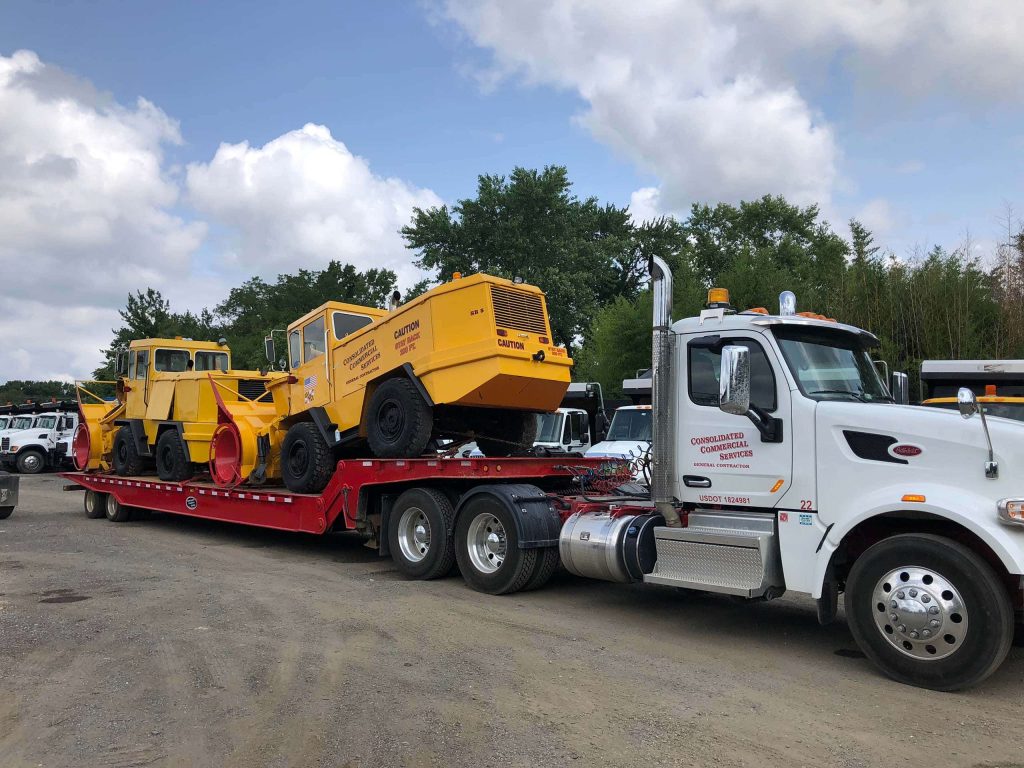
806, 504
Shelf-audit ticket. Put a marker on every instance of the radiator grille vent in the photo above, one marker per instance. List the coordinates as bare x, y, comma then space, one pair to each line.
519, 310
251, 388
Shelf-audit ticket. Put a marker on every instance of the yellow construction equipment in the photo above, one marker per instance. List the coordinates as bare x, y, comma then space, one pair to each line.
168, 402
471, 359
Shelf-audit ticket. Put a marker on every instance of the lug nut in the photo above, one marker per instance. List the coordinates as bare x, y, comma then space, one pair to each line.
933, 610
925, 599
913, 634
913, 593
893, 617
902, 627
926, 633
893, 604
934, 622
901, 594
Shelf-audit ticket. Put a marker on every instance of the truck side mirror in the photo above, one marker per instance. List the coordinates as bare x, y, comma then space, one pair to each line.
268, 345
967, 402
734, 383
121, 363
901, 388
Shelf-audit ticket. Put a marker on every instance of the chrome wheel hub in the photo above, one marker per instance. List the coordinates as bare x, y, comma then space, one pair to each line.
920, 613
487, 542
414, 534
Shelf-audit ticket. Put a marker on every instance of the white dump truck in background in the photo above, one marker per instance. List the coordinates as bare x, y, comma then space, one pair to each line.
46, 444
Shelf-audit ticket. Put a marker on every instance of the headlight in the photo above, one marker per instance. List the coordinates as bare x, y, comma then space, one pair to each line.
13, 449
1011, 511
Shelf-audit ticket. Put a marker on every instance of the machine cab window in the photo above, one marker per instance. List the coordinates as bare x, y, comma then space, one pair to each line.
140, 369
295, 349
313, 340
344, 323
705, 369
212, 361
171, 360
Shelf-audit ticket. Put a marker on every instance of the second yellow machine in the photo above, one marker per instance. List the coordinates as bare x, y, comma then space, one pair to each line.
471, 359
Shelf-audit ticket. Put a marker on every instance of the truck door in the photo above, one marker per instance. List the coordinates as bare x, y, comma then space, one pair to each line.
138, 378
307, 348
722, 457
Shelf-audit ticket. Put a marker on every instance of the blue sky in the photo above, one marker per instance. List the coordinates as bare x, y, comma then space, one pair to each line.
274, 136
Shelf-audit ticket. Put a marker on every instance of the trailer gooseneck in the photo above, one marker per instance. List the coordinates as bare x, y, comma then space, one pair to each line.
780, 463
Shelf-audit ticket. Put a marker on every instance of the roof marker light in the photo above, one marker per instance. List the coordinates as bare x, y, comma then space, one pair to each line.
787, 303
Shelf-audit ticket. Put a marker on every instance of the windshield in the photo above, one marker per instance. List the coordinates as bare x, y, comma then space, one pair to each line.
630, 424
21, 422
212, 361
831, 366
549, 427
1005, 410
46, 422
3, 422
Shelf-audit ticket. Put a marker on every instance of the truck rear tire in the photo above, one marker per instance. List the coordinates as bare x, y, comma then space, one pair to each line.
929, 612
127, 461
421, 534
399, 421
507, 432
116, 511
306, 463
6, 512
548, 561
171, 463
487, 548
30, 462
95, 504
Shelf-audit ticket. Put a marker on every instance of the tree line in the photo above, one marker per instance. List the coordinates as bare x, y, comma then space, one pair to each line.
591, 258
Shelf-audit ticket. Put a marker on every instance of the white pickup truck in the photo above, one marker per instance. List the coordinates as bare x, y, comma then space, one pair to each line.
44, 444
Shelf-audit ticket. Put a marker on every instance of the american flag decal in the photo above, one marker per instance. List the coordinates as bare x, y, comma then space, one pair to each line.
310, 386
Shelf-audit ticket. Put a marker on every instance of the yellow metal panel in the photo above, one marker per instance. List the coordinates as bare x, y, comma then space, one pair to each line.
160, 396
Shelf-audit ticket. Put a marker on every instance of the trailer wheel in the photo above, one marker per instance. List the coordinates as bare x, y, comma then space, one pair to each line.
95, 504
929, 612
487, 548
548, 560
421, 532
306, 463
6, 512
171, 463
116, 511
507, 432
127, 462
30, 462
400, 422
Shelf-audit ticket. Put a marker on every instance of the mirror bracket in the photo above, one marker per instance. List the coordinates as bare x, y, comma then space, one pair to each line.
769, 426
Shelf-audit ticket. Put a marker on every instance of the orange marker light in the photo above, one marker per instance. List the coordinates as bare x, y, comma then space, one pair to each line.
778, 484
456, 275
916, 498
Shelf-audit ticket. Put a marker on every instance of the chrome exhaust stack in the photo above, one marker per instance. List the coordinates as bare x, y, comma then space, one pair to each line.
663, 473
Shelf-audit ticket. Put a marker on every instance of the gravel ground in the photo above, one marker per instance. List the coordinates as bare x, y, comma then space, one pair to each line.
182, 642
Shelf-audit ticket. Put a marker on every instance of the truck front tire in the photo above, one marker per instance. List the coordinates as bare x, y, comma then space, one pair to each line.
30, 462
127, 462
95, 504
306, 463
487, 548
171, 463
929, 612
421, 534
400, 422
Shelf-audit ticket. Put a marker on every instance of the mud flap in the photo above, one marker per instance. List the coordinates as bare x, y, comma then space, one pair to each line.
537, 522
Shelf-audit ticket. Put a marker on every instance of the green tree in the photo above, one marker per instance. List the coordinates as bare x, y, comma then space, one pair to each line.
530, 225
17, 391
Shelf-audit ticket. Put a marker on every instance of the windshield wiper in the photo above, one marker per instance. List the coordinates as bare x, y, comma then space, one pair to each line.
855, 395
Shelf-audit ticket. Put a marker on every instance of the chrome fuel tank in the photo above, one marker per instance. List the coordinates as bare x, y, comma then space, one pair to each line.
600, 546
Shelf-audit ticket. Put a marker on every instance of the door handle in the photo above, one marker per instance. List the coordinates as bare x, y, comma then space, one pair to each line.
695, 481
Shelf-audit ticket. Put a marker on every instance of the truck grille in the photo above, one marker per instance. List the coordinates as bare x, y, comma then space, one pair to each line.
5, 443
251, 388
519, 310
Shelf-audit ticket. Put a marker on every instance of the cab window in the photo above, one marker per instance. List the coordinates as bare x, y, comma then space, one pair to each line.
294, 348
705, 369
212, 361
345, 323
313, 340
141, 364
171, 360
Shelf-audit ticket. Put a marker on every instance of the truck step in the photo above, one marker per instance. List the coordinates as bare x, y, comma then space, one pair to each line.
727, 552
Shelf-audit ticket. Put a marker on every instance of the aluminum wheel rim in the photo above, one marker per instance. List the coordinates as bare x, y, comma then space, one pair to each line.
414, 534
90, 501
487, 543
920, 613
31, 462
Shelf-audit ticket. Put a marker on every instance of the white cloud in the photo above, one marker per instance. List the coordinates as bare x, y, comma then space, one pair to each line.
712, 96
303, 199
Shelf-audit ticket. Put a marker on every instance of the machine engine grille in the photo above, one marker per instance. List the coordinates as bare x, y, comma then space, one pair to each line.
251, 388
518, 310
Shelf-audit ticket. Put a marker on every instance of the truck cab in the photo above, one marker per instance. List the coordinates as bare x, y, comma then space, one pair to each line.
628, 438
998, 385
567, 429
44, 445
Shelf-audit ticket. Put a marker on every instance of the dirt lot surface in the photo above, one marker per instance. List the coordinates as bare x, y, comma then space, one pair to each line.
181, 642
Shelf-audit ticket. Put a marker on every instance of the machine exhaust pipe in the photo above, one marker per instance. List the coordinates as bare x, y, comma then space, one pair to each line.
663, 474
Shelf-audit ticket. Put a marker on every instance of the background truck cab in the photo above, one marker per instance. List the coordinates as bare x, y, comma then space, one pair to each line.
44, 445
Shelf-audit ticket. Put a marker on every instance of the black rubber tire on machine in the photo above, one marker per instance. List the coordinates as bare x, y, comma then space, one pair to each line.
30, 462
116, 511
306, 460
171, 463
95, 504
421, 531
506, 432
953, 622
127, 461
487, 548
399, 420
